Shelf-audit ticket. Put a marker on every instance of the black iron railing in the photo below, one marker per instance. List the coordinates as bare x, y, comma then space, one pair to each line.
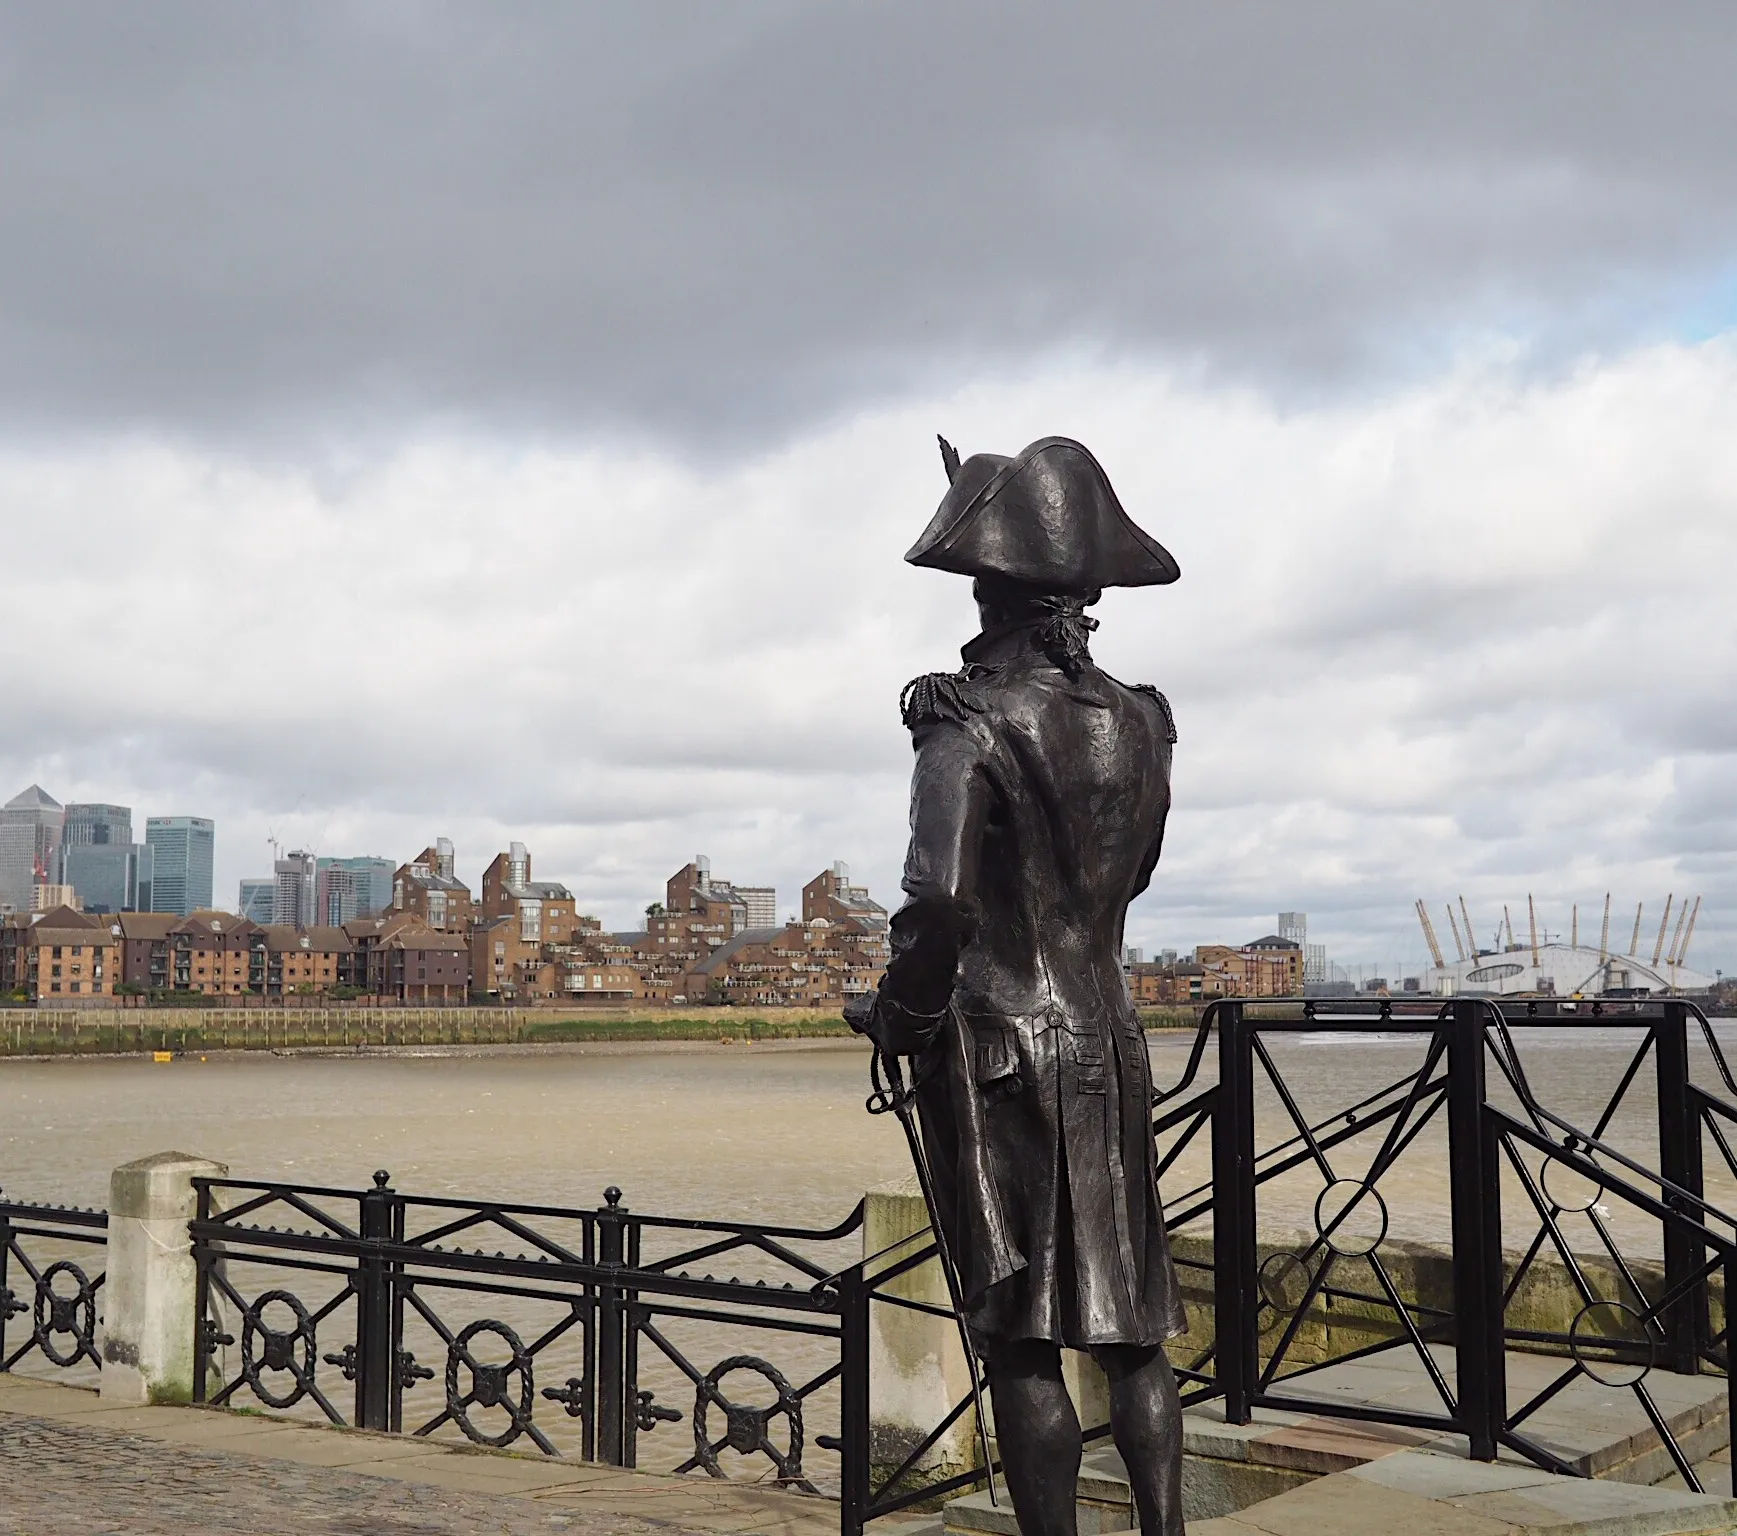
546, 1345
48, 1299
1636, 1311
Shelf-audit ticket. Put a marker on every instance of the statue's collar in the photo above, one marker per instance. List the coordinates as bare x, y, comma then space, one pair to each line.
1002, 643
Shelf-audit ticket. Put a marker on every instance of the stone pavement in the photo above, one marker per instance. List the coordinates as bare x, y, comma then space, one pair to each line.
1427, 1493
69, 1464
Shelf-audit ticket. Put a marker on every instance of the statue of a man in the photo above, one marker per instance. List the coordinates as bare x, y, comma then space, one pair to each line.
1037, 811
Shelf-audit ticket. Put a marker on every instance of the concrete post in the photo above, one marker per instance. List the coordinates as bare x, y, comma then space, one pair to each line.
148, 1295
916, 1366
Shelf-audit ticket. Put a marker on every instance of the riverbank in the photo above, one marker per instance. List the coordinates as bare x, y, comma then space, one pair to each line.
37, 1033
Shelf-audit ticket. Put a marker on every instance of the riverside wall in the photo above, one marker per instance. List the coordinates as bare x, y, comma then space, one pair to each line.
300, 1025
119, 1031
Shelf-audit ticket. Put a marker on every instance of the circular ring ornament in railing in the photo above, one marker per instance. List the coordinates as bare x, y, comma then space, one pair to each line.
747, 1426
1282, 1279
1351, 1218
491, 1385
1568, 1188
1598, 1315
264, 1348
58, 1313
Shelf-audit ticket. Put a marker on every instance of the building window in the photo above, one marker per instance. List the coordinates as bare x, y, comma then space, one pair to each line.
78, 986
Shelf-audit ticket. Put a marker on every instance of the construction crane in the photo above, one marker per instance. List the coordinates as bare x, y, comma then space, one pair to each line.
1454, 924
1659, 945
1429, 935
1604, 932
1532, 923
1471, 936
1634, 940
1683, 952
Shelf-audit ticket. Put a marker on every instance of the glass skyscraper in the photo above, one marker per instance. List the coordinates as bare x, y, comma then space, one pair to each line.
352, 888
96, 826
100, 860
183, 850
30, 826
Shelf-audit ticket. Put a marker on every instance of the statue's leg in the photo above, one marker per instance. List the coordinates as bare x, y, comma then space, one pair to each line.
1146, 1422
1039, 1435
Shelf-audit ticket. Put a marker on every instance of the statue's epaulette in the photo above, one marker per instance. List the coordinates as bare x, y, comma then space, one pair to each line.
1163, 704
938, 696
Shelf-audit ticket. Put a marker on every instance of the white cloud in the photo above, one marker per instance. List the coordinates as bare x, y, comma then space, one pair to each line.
1474, 636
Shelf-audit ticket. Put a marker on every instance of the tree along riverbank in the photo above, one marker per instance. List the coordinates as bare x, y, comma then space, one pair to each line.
127, 1031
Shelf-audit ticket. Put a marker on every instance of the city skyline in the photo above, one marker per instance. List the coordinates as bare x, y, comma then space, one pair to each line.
1406, 952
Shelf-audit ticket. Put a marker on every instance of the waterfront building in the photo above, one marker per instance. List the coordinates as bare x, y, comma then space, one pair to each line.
1269, 966
349, 888
544, 910
145, 948
293, 894
697, 914
306, 960
402, 957
257, 898
831, 895
183, 850
61, 959
428, 888
30, 830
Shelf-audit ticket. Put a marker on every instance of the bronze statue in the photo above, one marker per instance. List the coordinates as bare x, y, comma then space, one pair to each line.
1038, 803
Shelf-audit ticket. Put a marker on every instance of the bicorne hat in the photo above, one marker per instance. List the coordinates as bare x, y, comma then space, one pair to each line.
1046, 517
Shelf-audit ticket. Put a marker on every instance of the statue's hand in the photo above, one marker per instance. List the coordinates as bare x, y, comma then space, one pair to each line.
859, 1013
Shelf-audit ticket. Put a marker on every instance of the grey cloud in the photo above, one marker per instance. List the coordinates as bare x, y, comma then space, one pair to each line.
715, 224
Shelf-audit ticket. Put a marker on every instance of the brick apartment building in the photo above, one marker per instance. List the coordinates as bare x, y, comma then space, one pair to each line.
427, 888
62, 958
831, 895
542, 911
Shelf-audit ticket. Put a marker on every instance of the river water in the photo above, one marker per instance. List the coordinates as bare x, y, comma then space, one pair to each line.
773, 1132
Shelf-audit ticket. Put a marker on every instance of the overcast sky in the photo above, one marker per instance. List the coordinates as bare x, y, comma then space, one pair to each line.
505, 422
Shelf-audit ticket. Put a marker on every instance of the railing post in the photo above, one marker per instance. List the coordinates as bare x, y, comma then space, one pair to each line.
1686, 1321
612, 1406
6, 1302
202, 1327
853, 1386
1730, 1275
1476, 1194
376, 1362
630, 1356
1236, 1299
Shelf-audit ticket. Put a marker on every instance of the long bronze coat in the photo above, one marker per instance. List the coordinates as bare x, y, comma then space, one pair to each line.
1037, 811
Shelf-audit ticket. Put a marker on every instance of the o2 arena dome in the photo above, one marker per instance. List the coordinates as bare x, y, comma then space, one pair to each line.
1542, 965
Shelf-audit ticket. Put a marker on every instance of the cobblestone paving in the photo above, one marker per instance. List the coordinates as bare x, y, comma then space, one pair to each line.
83, 1480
